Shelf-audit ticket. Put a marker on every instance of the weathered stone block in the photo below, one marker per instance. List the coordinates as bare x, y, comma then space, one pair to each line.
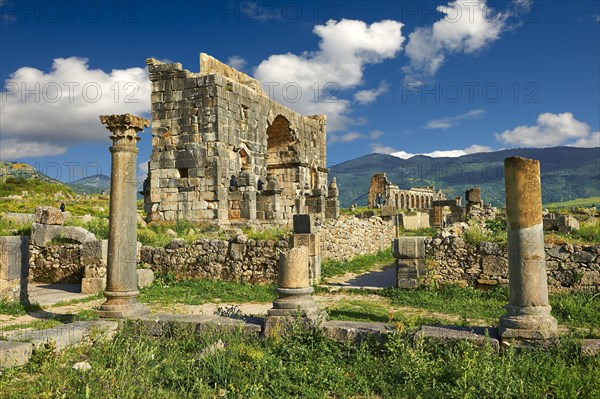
96, 249
409, 247
49, 215
303, 223
145, 277
93, 285
14, 354
14, 267
494, 265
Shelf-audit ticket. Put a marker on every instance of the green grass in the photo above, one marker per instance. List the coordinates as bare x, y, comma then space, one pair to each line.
368, 311
79, 300
35, 325
421, 232
274, 234
10, 228
197, 292
492, 232
359, 264
580, 309
17, 309
583, 202
136, 366
15, 185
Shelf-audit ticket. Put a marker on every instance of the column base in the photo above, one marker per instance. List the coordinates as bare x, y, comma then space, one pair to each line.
294, 310
294, 302
121, 305
528, 324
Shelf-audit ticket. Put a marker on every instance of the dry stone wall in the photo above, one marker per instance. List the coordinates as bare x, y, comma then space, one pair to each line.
452, 260
347, 237
241, 259
58, 263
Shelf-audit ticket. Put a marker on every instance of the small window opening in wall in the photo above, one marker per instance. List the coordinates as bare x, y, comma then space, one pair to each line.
183, 172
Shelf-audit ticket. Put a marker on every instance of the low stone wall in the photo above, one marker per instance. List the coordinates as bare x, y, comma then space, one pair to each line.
414, 221
349, 236
242, 260
239, 259
57, 263
452, 260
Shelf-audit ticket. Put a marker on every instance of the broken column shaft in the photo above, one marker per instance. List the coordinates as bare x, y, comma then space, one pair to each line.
121, 278
528, 311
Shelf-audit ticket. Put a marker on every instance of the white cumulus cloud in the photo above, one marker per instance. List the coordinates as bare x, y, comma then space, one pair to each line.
351, 136
468, 26
310, 82
475, 148
237, 62
365, 97
550, 130
43, 113
451, 121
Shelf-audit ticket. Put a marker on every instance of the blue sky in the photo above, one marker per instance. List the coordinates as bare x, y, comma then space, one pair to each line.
400, 77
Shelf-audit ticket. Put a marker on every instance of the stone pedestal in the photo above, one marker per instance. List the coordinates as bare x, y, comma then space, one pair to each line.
295, 301
121, 277
14, 268
410, 261
528, 316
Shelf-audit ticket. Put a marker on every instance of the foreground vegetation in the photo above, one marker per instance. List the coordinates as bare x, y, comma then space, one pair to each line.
136, 366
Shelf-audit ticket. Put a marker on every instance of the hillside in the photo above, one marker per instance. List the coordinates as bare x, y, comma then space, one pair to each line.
567, 173
91, 185
17, 177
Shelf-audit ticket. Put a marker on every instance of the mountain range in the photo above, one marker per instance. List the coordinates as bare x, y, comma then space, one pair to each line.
566, 172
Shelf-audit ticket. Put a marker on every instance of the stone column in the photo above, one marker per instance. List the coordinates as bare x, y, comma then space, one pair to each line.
307, 235
528, 312
295, 299
121, 277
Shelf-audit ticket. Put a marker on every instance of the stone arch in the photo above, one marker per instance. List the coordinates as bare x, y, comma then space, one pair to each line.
412, 201
397, 200
280, 138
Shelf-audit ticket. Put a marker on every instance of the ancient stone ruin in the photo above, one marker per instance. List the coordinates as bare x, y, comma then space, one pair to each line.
383, 192
222, 151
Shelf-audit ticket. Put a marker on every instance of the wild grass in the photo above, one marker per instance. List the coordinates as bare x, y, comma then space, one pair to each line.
491, 232
303, 365
579, 309
10, 228
587, 234
582, 202
16, 308
166, 290
420, 232
359, 264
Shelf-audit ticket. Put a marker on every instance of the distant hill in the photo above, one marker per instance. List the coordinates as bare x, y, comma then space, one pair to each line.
567, 173
17, 177
91, 185
23, 170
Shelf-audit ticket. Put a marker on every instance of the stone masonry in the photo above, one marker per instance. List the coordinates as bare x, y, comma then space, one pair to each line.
223, 152
383, 192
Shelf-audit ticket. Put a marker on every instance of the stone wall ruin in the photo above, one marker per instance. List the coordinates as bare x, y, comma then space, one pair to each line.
384, 192
222, 151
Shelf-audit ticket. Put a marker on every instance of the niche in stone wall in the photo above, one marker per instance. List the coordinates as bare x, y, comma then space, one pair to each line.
280, 140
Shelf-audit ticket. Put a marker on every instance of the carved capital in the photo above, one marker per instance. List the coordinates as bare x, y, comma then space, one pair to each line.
125, 125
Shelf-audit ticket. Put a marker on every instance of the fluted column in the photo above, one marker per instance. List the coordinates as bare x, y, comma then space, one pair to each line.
121, 276
528, 315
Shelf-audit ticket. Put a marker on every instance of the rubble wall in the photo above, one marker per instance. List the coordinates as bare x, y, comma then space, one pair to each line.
452, 260
347, 237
